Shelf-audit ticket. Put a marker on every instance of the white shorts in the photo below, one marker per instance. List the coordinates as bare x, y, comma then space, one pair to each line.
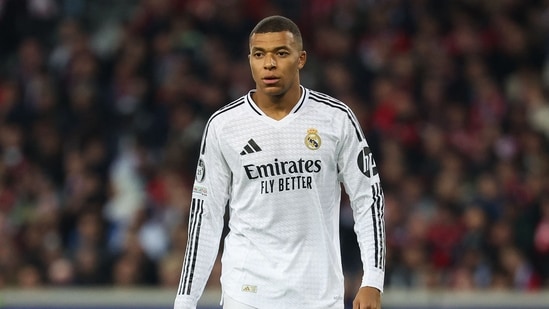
231, 303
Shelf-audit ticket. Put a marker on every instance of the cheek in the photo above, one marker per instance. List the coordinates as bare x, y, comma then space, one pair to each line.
253, 70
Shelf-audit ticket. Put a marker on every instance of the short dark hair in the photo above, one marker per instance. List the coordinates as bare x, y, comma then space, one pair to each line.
277, 23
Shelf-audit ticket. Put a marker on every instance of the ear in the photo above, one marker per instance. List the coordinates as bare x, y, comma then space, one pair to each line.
302, 59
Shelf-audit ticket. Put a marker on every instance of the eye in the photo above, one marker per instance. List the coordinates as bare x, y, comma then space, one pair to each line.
258, 54
283, 53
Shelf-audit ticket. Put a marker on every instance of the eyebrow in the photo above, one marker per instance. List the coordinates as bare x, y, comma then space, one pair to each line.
255, 48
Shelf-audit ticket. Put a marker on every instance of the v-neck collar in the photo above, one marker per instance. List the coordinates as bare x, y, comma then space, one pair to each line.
291, 114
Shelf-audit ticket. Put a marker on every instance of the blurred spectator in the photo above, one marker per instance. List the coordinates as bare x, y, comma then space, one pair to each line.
61, 272
102, 107
168, 271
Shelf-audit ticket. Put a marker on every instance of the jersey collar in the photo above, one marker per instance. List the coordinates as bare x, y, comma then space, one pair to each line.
295, 109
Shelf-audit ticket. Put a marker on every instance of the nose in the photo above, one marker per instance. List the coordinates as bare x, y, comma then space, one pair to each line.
270, 63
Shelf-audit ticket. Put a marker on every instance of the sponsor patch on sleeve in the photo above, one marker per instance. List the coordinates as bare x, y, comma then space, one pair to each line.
366, 163
200, 190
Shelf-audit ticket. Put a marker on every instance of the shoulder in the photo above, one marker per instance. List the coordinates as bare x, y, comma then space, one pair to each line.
232, 112
336, 111
329, 104
228, 112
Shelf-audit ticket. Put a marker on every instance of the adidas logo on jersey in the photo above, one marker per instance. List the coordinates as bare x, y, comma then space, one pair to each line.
250, 147
249, 288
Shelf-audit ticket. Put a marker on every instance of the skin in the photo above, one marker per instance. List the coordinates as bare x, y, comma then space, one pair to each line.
275, 61
367, 298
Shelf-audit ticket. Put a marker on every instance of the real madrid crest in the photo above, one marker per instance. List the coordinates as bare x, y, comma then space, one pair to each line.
312, 139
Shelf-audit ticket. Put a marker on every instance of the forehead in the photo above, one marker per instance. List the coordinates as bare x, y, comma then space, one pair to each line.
272, 39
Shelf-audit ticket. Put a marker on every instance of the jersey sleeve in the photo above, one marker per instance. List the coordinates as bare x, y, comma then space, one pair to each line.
359, 175
209, 197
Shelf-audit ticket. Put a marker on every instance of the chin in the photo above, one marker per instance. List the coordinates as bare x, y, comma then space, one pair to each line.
273, 90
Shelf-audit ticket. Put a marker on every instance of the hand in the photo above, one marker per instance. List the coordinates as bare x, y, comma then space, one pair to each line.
367, 298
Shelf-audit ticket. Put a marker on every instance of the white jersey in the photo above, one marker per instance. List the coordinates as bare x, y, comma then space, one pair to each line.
281, 180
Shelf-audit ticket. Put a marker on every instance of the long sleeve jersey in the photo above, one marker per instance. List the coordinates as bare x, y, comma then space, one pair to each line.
282, 181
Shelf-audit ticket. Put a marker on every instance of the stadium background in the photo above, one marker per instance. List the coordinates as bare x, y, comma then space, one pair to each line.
102, 105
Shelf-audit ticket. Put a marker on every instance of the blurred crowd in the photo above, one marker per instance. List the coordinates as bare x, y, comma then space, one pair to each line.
103, 103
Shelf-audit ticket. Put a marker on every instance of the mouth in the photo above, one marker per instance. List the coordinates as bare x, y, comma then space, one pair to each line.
270, 80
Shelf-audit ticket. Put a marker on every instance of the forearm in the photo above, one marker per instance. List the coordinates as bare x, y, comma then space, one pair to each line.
370, 230
202, 249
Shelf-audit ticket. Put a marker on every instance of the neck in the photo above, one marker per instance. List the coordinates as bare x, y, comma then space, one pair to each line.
277, 106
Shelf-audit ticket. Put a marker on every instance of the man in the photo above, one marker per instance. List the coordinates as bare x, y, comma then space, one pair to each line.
277, 156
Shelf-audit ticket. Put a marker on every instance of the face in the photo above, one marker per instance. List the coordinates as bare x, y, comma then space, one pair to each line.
275, 61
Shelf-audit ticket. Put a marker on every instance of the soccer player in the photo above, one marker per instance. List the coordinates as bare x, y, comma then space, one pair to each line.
276, 157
